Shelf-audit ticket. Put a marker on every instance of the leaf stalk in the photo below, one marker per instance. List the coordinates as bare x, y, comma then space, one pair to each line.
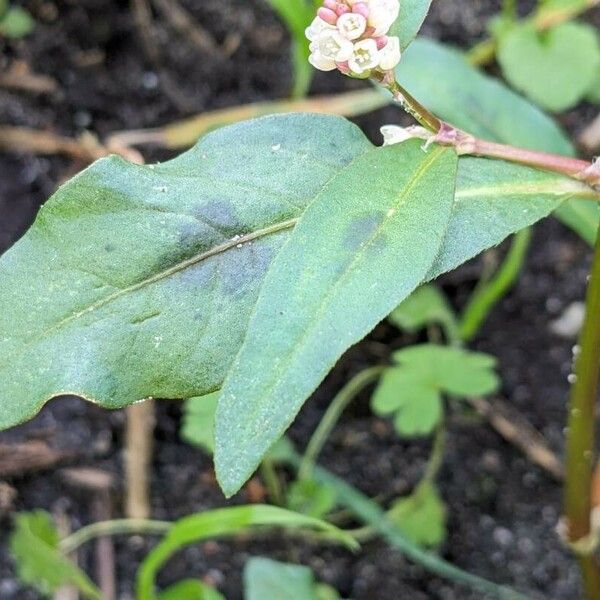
465, 143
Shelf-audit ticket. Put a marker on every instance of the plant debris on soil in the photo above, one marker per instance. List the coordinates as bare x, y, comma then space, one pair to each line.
502, 509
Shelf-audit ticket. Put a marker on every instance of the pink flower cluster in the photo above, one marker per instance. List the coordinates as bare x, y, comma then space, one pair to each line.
351, 35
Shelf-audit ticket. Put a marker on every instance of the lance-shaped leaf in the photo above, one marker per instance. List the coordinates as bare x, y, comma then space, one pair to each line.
409, 21
138, 281
132, 282
226, 522
361, 247
494, 199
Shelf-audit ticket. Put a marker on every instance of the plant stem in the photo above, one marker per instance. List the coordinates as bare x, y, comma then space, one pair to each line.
358, 383
436, 457
271, 479
489, 293
114, 527
372, 515
581, 435
465, 143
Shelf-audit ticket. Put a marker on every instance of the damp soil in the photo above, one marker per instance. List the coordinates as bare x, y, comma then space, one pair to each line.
502, 509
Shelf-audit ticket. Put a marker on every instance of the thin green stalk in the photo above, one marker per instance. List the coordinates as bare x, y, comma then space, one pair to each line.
466, 144
436, 457
271, 479
114, 527
581, 431
371, 514
331, 417
489, 293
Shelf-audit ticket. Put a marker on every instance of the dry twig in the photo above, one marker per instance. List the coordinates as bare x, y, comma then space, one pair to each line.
515, 429
19, 459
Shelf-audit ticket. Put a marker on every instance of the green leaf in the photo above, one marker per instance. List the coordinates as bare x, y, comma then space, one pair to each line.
416, 404
353, 240
326, 592
310, 498
425, 306
421, 516
582, 216
138, 281
555, 68
219, 523
411, 17
412, 390
297, 16
190, 589
443, 81
16, 23
493, 200
452, 370
199, 421
268, 579
34, 547
593, 94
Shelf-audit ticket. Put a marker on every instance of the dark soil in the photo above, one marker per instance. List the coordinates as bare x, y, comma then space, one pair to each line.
503, 510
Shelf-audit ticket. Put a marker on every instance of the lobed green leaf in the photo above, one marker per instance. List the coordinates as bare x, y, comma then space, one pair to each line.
34, 547
421, 516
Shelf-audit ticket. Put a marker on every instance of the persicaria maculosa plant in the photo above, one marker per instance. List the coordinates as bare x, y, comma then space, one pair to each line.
248, 265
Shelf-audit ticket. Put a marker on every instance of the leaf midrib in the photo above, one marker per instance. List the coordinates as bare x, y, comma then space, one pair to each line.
177, 268
401, 200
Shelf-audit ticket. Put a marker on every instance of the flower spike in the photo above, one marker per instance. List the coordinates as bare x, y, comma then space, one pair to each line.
351, 36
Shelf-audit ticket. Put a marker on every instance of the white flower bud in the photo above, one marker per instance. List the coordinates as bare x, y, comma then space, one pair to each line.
331, 44
382, 14
320, 62
364, 57
389, 55
316, 28
352, 25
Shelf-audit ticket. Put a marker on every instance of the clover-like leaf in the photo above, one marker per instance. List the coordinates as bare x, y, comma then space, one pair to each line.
412, 390
421, 516
34, 546
425, 306
555, 68
416, 404
453, 370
